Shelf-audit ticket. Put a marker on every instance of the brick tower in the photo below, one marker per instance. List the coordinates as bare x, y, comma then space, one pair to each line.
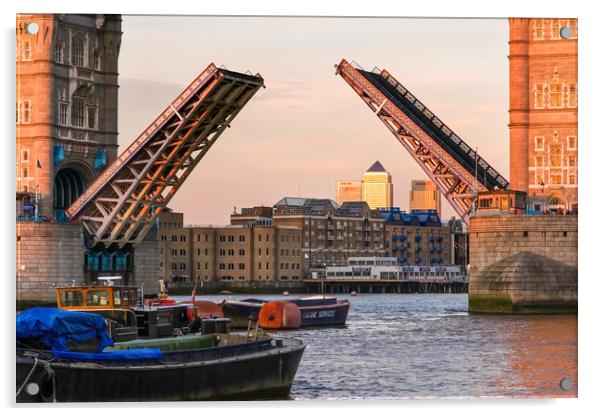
543, 112
66, 105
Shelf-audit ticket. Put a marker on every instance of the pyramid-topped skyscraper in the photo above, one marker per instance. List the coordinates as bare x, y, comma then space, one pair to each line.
377, 188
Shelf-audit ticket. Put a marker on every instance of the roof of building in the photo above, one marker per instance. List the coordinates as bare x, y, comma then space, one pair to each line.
318, 206
291, 201
422, 218
353, 208
323, 206
376, 167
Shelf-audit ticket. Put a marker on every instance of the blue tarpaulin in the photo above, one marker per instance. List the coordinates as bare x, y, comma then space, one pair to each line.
56, 328
118, 355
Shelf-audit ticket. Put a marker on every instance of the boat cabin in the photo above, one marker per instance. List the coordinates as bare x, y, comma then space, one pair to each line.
97, 297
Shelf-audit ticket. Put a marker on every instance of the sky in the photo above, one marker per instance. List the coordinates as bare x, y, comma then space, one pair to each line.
308, 128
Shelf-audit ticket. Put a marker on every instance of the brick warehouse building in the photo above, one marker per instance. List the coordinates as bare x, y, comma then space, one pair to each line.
543, 112
66, 109
417, 238
255, 250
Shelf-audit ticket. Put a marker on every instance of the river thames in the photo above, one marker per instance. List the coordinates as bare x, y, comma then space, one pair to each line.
428, 346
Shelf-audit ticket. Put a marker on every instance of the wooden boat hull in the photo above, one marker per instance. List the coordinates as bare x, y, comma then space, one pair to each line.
256, 370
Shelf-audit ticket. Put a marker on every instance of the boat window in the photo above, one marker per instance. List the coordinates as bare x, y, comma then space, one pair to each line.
163, 317
133, 296
72, 298
126, 297
97, 297
117, 297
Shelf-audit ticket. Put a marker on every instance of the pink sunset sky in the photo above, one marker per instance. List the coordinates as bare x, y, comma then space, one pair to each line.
308, 128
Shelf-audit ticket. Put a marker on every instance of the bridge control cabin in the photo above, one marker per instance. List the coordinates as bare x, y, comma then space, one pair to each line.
500, 202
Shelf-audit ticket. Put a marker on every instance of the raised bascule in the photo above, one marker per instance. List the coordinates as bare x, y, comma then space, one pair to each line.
458, 172
119, 207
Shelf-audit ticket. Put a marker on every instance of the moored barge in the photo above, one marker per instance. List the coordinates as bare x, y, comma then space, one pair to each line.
314, 311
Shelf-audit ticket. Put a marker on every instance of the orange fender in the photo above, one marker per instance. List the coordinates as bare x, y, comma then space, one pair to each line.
279, 315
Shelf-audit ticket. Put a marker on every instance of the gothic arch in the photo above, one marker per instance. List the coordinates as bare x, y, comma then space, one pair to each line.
555, 202
70, 181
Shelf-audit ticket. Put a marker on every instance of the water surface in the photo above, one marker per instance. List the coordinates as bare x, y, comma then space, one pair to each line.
427, 345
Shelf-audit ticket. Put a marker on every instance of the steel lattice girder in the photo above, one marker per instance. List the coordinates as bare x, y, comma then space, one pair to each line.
454, 181
120, 206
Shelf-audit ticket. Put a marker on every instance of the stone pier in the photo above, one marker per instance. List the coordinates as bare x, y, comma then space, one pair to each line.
523, 264
51, 255
47, 255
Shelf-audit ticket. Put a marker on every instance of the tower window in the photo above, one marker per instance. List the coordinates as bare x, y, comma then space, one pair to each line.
26, 56
24, 155
77, 112
555, 155
539, 32
572, 142
58, 52
555, 29
572, 180
539, 101
23, 111
77, 51
63, 113
539, 143
555, 95
572, 94
572, 161
92, 117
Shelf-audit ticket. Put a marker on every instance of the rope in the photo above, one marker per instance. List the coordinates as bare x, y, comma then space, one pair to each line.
35, 363
52, 374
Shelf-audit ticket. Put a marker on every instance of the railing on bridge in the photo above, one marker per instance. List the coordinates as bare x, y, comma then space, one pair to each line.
120, 206
450, 163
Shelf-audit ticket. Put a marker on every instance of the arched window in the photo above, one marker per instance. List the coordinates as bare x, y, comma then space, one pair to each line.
77, 51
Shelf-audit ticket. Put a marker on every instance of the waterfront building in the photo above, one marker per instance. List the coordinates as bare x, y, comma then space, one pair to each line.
543, 112
242, 252
424, 195
66, 108
331, 233
416, 238
348, 191
377, 188
388, 268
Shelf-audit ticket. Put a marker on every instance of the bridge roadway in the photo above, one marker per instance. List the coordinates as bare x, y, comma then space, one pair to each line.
119, 207
456, 169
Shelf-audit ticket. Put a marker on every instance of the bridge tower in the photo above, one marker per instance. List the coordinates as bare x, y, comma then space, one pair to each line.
66, 106
543, 111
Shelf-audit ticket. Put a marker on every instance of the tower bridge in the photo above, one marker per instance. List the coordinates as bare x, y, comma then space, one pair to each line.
458, 172
119, 207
